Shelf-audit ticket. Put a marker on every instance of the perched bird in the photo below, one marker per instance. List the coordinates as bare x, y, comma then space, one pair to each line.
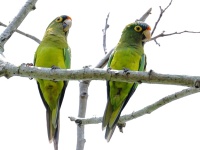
54, 52
128, 55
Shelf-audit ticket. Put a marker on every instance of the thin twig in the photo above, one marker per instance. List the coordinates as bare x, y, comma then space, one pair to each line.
166, 100
169, 34
104, 34
146, 110
160, 16
162, 11
22, 33
102, 63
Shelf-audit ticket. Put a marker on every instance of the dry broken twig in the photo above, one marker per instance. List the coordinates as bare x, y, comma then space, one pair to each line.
144, 17
104, 34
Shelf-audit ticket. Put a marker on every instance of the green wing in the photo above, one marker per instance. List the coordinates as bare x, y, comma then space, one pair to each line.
34, 59
110, 58
109, 109
67, 57
143, 63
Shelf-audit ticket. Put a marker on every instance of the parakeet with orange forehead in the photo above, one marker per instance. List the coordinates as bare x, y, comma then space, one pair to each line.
128, 54
54, 52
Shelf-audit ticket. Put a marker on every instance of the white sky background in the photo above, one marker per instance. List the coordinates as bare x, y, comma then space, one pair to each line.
174, 126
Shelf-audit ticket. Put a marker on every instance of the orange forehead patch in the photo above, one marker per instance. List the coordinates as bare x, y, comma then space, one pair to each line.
148, 28
69, 18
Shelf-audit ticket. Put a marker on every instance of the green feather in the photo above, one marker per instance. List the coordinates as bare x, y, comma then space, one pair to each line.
128, 54
67, 56
53, 51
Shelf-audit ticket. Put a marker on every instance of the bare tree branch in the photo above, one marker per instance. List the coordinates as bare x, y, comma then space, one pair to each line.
9, 70
22, 33
83, 87
102, 63
160, 16
30, 5
166, 100
104, 34
146, 110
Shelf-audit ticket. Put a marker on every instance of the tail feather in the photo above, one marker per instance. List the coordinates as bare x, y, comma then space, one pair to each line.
56, 135
112, 125
110, 120
111, 116
49, 125
109, 132
107, 115
53, 132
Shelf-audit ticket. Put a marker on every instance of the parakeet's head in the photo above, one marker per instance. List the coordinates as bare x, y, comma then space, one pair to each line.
61, 24
137, 32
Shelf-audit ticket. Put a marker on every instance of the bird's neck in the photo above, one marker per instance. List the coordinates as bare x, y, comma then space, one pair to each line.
131, 42
55, 39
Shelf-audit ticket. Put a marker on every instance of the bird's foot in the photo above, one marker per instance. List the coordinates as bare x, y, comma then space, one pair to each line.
125, 70
29, 64
87, 67
150, 72
54, 67
108, 69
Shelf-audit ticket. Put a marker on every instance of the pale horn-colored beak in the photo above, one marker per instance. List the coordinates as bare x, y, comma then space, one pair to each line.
147, 34
67, 24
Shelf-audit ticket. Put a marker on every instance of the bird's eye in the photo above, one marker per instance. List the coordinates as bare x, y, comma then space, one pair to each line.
59, 19
138, 28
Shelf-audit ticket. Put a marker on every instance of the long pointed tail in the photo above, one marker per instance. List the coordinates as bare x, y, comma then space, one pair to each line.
109, 132
53, 132
56, 135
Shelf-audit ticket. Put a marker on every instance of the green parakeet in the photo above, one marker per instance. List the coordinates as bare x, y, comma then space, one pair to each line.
54, 52
128, 54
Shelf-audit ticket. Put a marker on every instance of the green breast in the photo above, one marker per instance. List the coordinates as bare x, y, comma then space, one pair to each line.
128, 58
48, 56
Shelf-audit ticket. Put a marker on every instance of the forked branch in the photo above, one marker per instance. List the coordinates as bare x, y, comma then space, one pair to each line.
30, 5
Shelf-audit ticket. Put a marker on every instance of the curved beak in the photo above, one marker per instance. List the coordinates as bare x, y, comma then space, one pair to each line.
67, 23
147, 34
